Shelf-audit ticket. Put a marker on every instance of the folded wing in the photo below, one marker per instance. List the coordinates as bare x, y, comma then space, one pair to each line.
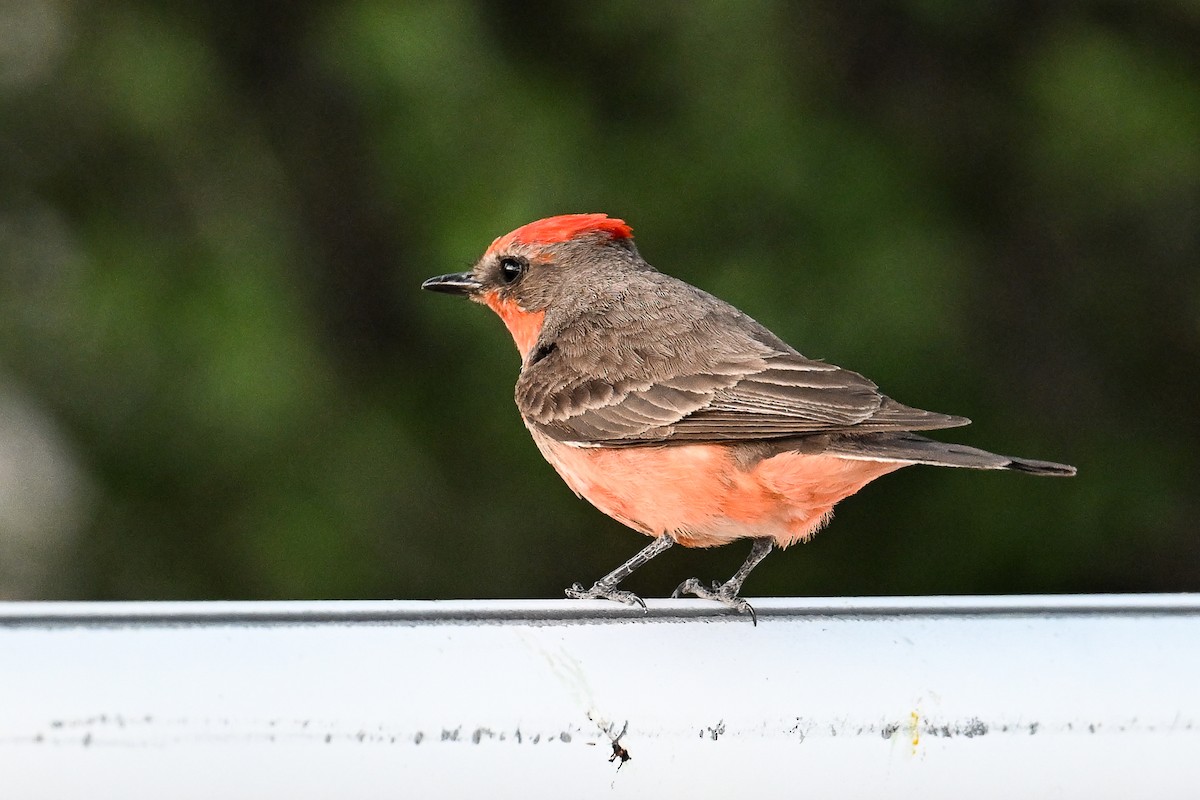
760, 396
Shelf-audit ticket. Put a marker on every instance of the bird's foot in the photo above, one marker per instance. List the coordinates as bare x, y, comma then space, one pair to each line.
723, 593
604, 591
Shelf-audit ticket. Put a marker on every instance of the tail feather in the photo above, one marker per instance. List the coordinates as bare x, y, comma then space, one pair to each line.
916, 449
1035, 467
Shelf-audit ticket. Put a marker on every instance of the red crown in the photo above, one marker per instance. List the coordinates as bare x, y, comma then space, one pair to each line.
562, 228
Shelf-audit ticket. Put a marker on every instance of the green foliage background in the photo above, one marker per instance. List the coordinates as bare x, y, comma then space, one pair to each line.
214, 218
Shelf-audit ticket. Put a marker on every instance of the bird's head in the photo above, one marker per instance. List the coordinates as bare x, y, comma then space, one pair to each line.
554, 262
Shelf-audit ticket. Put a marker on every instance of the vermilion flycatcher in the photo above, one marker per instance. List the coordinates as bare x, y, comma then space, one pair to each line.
678, 415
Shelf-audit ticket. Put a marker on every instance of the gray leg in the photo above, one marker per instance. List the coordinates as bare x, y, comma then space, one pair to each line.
606, 587
727, 593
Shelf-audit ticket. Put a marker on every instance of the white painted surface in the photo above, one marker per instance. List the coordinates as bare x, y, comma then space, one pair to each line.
1080, 696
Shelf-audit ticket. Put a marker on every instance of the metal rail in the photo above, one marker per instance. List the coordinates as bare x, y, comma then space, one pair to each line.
1065, 696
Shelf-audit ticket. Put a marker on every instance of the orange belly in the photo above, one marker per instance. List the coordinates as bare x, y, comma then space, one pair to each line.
703, 496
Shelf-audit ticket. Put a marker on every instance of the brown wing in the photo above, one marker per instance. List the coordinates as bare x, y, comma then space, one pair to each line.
684, 366
761, 398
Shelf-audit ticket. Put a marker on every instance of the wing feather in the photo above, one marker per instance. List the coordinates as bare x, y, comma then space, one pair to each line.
676, 375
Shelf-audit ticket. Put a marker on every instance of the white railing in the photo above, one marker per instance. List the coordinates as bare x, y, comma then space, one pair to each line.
1016, 697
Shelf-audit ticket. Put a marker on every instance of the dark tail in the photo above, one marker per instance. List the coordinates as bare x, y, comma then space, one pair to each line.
916, 449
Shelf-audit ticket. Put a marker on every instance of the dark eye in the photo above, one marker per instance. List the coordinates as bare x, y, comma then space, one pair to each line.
511, 268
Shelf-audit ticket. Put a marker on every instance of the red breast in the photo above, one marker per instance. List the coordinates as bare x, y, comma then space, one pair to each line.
704, 495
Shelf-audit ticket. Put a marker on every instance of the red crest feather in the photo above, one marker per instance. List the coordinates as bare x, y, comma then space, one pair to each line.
562, 228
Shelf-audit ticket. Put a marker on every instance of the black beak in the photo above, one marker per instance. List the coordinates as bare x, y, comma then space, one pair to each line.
455, 283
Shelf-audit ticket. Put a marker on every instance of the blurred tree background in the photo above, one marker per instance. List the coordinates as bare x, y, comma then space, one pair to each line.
218, 378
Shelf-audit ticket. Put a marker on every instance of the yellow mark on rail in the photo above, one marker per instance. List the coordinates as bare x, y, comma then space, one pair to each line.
914, 728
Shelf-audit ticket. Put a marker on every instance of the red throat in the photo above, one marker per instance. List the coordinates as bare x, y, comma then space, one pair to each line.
525, 326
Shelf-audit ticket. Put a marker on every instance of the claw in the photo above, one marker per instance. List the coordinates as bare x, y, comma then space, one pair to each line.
602, 591
722, 593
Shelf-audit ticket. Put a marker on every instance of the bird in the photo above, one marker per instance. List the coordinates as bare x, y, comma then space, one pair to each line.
677, 414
